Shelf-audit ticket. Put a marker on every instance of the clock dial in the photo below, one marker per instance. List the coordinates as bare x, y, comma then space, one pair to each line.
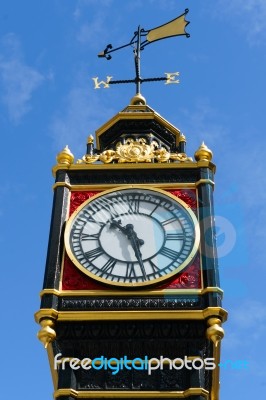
132, 237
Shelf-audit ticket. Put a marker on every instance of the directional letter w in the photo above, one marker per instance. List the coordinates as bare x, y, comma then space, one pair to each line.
97, 84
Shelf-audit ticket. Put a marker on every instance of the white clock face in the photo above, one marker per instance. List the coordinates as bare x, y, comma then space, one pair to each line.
132, 237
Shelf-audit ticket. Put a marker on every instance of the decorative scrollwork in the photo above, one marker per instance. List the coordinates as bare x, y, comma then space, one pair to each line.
135, 151
107, 156
88, 159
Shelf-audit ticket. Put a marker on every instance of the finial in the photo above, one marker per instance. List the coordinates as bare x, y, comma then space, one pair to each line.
47, 334
137, 100
215, 332
182, 137
65, 156
203, 153
182, 143
90, 139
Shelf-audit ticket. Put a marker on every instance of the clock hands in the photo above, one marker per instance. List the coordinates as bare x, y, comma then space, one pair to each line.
135, 242
128, 230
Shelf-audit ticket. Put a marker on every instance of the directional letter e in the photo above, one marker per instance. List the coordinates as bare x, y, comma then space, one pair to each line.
171, 77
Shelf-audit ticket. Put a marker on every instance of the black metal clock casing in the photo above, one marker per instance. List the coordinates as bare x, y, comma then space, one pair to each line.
128, 310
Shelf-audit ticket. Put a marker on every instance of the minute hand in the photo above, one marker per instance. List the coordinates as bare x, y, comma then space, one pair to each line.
135, 243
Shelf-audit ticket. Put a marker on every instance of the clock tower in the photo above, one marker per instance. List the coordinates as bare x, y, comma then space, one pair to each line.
131, 302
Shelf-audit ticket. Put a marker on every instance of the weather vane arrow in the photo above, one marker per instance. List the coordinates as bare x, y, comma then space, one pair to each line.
140, 40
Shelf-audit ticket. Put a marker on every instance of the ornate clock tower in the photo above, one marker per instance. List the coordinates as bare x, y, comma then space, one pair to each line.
131, 303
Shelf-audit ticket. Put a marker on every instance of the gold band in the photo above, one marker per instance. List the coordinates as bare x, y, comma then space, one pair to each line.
130, 394
165, 186
131, 315
124, 166
81, 293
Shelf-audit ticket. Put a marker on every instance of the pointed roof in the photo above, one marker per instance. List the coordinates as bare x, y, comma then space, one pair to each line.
137, 119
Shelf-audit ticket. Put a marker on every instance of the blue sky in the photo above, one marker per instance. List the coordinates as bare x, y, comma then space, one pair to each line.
48, 55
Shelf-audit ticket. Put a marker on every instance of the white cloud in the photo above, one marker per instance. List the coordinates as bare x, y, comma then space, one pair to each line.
170, 5
89, 3
201, 125
81, 114
17, 79
249, 16
94, 32
246, 327
238, 164
90, 32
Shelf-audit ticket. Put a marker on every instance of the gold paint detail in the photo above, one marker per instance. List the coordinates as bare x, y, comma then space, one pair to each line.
65, 157
132, 315
165, 186
138, 99
203, 153
129, 394
46, 334
182, 138
204, 181
78, 293
54, 373
46, 313
215, 333
90, 139
62, 184
88, 159
171, 77
212, 289
175, 27
105, 84
140, 166
136, 151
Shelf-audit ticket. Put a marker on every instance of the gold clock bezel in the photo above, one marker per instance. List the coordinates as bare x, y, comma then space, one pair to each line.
132, 284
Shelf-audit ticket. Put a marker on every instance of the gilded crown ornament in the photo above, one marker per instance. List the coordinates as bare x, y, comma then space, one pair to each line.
135, 151
203, 153
65, 156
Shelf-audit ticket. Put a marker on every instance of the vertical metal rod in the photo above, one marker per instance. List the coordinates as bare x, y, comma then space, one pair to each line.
137, 63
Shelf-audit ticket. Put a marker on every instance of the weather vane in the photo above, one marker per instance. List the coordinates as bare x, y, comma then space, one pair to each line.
140, 40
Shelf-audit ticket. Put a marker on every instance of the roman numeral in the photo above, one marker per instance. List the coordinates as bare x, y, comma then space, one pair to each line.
108, 267
86, 236
154, 209
169, 253
93, 254
174, 236
130, 272
169, 221
109, 207
155, 269
134, 205
89, 218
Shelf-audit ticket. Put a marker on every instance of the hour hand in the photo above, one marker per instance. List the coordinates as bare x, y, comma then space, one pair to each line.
136, 243
128, 230
116, 224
